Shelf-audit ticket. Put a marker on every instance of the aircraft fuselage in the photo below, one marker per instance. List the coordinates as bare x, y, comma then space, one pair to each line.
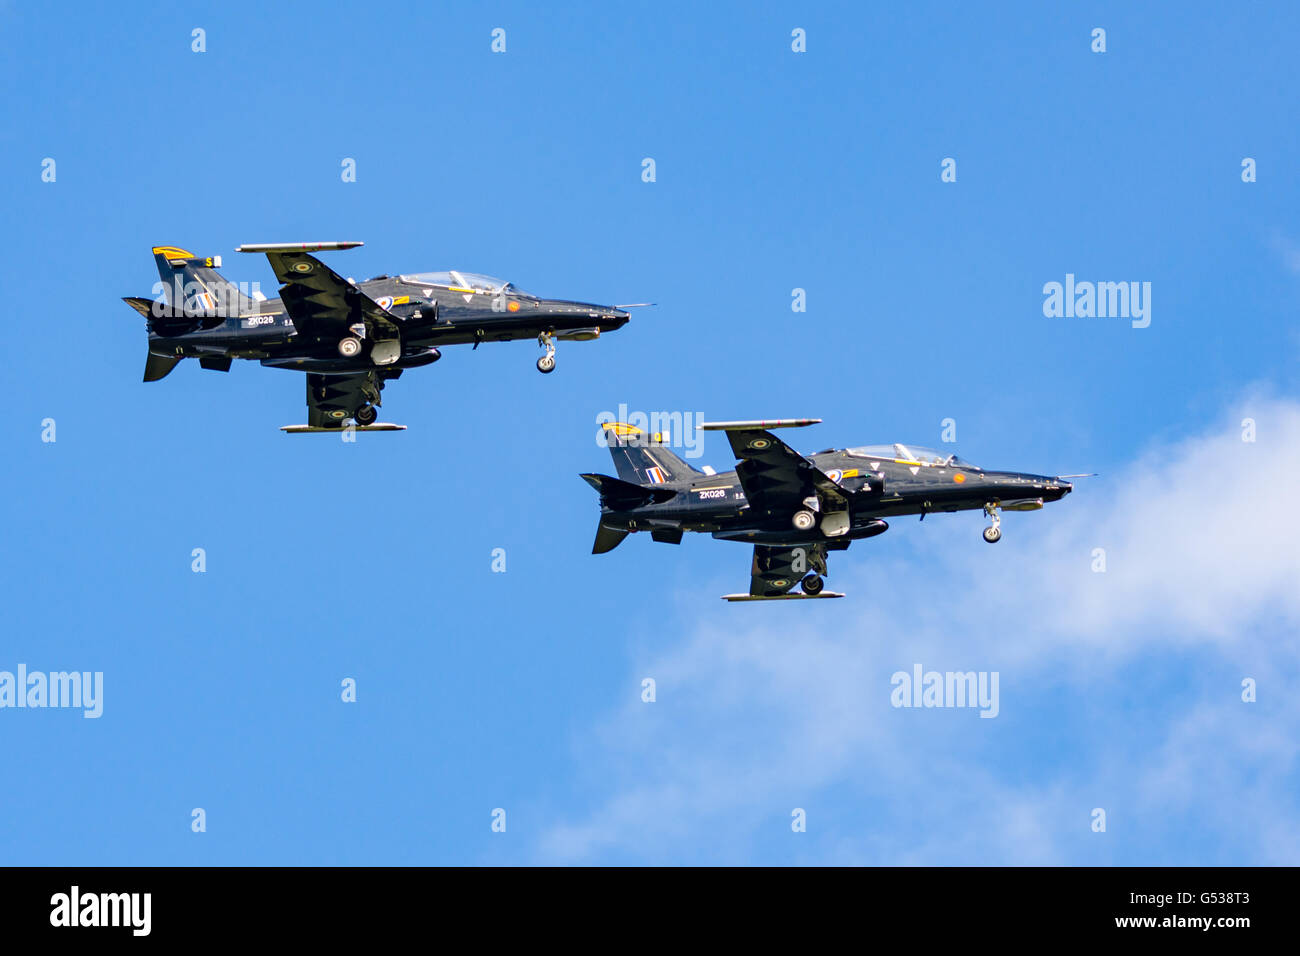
875, 488
431, 318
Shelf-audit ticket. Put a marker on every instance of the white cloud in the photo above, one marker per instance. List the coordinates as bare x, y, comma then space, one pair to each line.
1119, 690
1289, 251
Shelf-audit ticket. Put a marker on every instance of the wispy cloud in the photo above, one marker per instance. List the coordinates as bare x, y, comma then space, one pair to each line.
1289, 251
1120, 690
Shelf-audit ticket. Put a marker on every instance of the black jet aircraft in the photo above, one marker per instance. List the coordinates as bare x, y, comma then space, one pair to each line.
794, 509
349, 337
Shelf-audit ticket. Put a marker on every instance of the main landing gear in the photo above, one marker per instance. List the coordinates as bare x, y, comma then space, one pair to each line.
366, 415
546, 364
993, 533
804, 520
812, 584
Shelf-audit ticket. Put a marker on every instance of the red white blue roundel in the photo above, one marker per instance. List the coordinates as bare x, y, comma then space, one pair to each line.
835, 475
384, 301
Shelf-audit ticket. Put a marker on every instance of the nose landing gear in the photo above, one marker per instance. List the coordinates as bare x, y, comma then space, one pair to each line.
993, 533
546, 364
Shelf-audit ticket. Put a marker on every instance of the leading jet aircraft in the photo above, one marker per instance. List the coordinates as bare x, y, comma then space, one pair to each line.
795, 509
349, 337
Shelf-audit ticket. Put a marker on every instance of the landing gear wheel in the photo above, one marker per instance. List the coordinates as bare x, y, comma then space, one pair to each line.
546, 364
350, 347
812, 585
366, 415
804, 520
993, 533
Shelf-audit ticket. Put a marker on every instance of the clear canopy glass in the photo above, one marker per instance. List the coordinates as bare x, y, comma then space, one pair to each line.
464, 280
926, 456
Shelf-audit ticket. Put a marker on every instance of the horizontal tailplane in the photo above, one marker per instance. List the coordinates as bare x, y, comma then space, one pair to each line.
620, 495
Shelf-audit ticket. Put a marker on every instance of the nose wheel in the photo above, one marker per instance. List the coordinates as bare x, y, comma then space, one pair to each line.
546, 364
993, 533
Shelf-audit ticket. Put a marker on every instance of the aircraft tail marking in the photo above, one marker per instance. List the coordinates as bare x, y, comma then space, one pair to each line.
194, 283
644, 459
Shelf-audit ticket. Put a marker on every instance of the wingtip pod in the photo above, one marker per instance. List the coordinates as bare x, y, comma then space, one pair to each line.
338, 429
796, 596
754, 425
296, 246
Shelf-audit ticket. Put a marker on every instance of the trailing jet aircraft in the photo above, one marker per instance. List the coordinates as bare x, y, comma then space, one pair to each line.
349, 337
794, 509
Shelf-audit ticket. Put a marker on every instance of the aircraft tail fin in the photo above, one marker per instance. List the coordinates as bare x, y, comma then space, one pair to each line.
193, 283
644, 459
619, 495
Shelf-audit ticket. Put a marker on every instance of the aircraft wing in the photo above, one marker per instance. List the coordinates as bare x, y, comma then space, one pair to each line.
774, 475
321, 303
776, 570
331, 399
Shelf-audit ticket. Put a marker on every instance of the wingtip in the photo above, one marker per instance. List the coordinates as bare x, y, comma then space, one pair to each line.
297, 246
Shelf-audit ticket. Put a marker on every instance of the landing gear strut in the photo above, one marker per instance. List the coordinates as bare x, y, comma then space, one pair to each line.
993, 533
546, 364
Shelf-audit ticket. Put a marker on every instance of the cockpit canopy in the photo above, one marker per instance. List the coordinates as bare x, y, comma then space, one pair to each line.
910, 454
465, 282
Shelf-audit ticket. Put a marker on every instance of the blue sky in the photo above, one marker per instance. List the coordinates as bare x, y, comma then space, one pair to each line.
775, 170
